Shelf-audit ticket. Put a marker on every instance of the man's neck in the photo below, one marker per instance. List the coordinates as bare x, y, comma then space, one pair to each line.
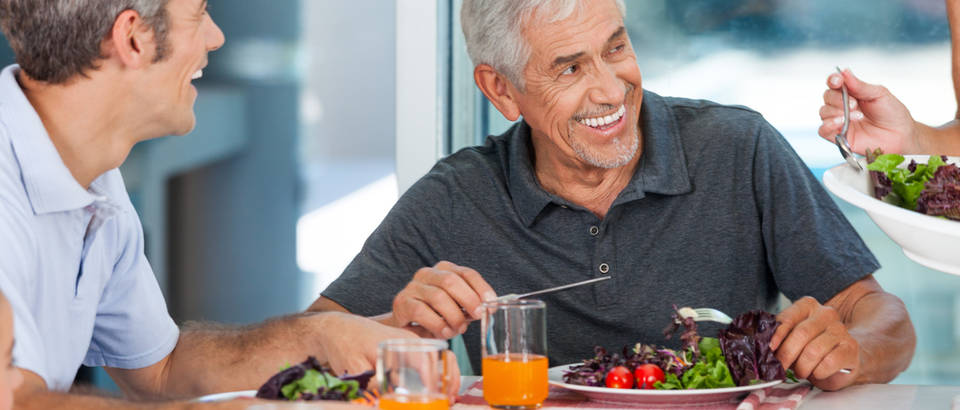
591, 187
85, 122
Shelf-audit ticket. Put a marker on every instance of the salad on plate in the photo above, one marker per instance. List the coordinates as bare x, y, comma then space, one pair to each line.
739, 356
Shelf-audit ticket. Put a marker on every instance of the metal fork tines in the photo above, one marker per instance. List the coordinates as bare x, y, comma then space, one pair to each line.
705, 314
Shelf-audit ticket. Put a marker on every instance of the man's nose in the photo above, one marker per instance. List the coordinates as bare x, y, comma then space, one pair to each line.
215, 37
607, 87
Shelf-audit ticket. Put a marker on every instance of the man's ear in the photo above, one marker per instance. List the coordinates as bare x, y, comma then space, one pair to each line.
498, 90
131, 40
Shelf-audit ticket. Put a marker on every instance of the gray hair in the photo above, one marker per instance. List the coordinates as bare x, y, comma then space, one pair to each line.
55, 40
493, 30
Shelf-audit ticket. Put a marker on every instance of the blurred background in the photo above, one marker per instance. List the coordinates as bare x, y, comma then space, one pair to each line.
317, 113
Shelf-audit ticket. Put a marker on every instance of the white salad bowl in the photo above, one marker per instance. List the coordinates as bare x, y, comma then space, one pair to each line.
930, 241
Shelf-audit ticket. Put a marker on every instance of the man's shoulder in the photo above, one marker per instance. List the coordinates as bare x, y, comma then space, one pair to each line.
708, 122
710, 111
475, 163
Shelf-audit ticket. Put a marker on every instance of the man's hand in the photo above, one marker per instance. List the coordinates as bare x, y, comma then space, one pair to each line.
349, 342
877, 118
815, 343
442, 300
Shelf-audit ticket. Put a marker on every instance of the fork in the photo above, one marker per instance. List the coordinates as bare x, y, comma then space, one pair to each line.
705, 314
713, 315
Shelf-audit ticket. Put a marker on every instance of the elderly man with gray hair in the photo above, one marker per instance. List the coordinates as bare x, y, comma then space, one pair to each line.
96, 77
680, 202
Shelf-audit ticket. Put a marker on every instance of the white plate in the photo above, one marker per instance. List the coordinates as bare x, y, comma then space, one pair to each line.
655, 397
226, 396
930, 241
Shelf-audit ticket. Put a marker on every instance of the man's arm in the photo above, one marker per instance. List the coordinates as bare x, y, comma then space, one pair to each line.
33, 394
862, 328
212, 358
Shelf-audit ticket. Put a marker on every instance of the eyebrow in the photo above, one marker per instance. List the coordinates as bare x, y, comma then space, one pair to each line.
564, 60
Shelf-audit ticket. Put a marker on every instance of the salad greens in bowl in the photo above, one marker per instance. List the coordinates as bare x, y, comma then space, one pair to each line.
914, 199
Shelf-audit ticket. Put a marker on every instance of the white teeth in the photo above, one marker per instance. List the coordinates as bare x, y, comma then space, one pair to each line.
197, 75
601, 121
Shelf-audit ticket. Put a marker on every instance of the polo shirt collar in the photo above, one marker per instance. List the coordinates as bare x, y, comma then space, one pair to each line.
662, 168
49, 184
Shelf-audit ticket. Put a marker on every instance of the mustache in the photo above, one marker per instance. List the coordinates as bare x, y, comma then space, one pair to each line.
602, 108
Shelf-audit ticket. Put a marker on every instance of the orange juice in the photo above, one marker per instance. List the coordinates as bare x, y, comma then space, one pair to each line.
397, 402
515, 380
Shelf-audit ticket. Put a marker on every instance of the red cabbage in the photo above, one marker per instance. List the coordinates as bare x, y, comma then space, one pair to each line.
746, 346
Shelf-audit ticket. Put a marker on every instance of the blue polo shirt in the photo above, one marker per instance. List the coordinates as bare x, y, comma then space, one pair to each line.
71, 259
719, 213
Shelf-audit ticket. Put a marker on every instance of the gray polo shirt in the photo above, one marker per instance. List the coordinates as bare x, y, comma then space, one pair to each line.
720, 213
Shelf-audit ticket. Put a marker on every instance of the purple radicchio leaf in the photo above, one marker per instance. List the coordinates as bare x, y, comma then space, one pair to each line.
941, 196
689, 337
746, 346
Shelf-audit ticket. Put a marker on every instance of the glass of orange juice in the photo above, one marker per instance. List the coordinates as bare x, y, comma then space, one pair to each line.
514, 344
414, 374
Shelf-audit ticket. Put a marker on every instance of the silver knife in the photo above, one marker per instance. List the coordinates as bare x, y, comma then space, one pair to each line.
514, 296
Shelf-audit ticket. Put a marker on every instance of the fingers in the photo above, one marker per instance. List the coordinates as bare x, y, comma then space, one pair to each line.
811, 357
411, 310
479, 285
834, 98
804, 333
452, 373
862, 90
835, 81
443, 299
813, 341
468, 288
790, 317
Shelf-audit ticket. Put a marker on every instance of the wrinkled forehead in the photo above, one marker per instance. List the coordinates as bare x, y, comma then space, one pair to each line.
562, 29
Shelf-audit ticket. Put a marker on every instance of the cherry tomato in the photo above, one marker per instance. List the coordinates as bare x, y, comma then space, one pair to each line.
646, 375
620, 378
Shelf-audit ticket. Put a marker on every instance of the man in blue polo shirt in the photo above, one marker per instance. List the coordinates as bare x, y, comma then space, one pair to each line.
95, 78
679, 201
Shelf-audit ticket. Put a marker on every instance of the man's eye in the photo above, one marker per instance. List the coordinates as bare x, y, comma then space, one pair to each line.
616, 49
570, 70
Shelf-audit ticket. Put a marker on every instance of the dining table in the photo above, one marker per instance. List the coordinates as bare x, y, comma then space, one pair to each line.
867, 396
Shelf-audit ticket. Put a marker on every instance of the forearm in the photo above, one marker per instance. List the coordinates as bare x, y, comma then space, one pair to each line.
881, 326
953, 17
214, 358
46, 400
324, 304
942, 140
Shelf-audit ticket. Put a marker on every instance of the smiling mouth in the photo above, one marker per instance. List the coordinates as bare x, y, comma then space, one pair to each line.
197, 74
604, 122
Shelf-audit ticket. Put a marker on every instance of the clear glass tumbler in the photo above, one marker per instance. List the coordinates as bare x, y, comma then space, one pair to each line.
514, 353
414, 374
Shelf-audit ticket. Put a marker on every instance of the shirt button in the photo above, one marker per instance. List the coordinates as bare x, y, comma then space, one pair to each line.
594, 230
604, 268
